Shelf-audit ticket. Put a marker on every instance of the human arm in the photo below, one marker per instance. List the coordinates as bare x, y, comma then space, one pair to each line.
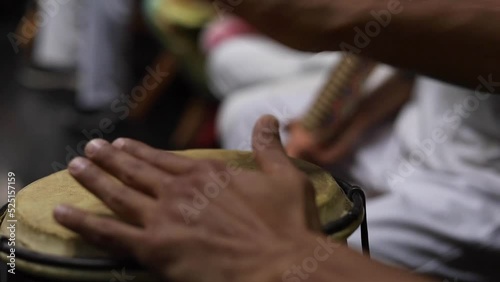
452, 40
256, 229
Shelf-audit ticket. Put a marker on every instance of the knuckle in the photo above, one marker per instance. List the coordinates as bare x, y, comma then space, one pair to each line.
133, 169
117, 199
167, 185
197, 181
216, 164
180, 211
203, 165
207, 165
100, 236
130, 146
129, 143
158, 156
201, 238
84, 219
99, 152
162, 240
91, 176
178, 187
156, 240
122, 143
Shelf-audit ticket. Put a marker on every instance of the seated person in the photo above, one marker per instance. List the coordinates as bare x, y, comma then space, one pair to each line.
430, 167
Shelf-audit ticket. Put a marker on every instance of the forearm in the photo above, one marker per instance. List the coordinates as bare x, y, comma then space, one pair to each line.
314, 262
452, 40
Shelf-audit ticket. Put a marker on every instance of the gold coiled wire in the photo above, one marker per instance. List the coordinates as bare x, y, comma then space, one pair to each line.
340, 78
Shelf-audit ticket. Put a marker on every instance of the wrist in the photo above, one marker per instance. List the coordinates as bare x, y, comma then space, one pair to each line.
315, 257
295, 258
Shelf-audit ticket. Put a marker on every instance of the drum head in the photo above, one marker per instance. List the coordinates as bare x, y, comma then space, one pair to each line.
38, 232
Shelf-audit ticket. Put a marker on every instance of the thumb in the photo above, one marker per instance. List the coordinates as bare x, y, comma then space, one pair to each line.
266, 142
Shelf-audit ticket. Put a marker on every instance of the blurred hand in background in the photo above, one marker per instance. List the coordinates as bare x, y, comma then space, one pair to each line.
330, 145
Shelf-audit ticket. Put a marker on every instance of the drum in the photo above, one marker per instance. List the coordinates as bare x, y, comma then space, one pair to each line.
46, 251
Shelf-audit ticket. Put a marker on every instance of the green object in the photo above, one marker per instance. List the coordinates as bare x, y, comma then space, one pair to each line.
179, 28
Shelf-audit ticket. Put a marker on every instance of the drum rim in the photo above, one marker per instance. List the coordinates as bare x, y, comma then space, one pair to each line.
355, 214
53, 260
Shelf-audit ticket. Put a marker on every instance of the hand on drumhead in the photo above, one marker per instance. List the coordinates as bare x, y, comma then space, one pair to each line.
186, 225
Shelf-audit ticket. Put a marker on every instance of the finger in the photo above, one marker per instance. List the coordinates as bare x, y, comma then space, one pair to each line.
130, 170
105, 232
291, 125
295, 149
124, 201
329, 135
300, 142
340, 149
266, 142
163, 160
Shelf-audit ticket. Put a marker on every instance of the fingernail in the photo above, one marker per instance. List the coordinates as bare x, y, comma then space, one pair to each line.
77, 165
119, 143
93, 146
61, 211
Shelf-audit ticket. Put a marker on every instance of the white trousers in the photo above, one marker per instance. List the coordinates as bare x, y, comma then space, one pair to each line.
56, 44
103, 63
91, 35
425, 224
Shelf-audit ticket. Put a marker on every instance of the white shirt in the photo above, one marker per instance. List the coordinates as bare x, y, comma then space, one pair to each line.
453, 130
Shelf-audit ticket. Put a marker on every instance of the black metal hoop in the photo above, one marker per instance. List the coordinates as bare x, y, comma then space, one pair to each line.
57, 261
357, 197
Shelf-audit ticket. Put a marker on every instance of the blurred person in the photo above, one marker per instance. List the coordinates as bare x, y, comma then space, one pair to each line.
254, 74
55, 52
428, 172
239, 57
57, 39
103, 64
435, 170
85, 43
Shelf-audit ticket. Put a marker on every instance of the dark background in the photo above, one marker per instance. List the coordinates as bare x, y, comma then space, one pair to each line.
34, 139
